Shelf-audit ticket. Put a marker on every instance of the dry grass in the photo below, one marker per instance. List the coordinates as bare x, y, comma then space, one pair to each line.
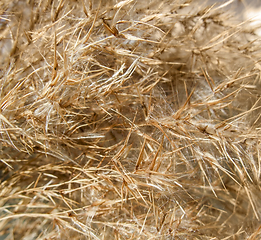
128, 120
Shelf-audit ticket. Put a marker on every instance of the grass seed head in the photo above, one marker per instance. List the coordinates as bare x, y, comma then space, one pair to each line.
128, 120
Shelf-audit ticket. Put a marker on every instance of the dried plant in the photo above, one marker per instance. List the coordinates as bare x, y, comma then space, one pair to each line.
128, 120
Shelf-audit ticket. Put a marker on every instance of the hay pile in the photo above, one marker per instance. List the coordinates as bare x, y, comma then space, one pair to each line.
128, 120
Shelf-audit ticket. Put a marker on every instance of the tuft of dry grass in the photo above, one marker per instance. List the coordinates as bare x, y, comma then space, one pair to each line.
128, 120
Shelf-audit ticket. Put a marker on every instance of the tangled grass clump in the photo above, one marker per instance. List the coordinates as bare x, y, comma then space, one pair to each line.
128, 120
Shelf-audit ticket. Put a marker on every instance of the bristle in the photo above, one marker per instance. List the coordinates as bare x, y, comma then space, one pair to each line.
128, 120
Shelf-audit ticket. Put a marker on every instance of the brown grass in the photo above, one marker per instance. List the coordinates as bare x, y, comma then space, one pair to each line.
128, 120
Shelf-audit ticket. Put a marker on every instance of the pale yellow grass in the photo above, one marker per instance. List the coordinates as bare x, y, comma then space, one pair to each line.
128, 120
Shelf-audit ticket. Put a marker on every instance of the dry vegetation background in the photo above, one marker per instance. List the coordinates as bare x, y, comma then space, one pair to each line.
128, 120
